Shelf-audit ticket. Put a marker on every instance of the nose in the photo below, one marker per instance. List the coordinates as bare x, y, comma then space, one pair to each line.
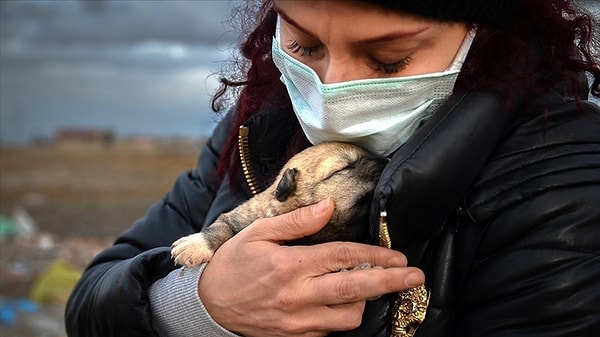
337, 70
333, 77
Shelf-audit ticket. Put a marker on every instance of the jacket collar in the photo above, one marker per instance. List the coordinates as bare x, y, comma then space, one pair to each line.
430, 174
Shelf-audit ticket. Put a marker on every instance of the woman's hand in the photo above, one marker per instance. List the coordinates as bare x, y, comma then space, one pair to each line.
253, 286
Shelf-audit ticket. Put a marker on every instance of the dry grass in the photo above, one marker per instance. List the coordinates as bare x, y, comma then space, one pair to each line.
93, 191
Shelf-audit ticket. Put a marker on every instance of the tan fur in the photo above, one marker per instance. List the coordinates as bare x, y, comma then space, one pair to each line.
345, 172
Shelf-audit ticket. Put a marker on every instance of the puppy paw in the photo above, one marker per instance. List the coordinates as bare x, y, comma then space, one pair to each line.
191, 250
363, 266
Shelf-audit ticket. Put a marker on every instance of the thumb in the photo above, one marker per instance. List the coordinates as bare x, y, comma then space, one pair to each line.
294, 225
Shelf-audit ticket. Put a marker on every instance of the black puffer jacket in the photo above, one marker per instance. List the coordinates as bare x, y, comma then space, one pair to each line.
501, 210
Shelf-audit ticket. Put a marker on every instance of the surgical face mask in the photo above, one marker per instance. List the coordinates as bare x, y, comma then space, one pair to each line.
377, 114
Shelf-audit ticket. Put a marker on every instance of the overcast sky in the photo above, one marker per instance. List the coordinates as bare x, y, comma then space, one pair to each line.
134, 66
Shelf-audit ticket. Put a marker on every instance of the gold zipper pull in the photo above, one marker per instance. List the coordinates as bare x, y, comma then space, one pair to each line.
384, 234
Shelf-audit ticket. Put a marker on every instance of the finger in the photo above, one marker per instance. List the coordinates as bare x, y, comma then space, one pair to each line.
335, 256
360, 285
341, 317
347, 316
294, 225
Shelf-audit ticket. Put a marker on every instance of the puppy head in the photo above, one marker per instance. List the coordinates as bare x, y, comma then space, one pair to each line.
343, 171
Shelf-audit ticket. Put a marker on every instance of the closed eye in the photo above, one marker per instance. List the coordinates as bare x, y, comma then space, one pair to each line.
391, 68
296, 48
349, 166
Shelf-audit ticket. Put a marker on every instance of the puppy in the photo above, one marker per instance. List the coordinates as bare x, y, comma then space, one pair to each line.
343, 171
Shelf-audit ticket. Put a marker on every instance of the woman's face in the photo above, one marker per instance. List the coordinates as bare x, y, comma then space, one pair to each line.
350, 40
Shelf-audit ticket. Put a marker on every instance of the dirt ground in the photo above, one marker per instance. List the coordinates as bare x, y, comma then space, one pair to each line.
79, 198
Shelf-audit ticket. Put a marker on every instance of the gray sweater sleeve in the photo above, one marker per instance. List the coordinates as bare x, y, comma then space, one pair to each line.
177, 310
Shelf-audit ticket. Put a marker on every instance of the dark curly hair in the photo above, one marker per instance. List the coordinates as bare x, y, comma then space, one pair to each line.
541, 43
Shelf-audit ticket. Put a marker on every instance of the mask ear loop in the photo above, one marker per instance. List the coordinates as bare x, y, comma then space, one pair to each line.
277, 36
463, 51
277, 39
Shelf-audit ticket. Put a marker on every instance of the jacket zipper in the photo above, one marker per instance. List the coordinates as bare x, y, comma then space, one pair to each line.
244, 149
410, 306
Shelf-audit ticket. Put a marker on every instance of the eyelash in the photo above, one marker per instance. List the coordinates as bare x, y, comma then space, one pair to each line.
386, 68
392, 68
295, 48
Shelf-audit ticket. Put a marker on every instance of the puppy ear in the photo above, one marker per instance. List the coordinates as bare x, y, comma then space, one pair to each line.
286, 185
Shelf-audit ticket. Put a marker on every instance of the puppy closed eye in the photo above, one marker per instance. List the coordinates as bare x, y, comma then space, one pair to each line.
350, 166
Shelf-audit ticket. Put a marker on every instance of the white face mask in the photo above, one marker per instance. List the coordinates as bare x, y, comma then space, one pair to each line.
377, 114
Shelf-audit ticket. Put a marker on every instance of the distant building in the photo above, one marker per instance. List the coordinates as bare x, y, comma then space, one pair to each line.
84, 136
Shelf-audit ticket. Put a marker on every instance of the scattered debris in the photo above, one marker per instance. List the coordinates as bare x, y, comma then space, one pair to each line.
25, 223
10, 309
38, 272
7, 228
59, 214
55, 284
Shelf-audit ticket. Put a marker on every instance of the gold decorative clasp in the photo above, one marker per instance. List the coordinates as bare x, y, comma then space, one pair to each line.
409, 311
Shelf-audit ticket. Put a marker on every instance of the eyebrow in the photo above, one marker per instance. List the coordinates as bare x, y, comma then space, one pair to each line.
290, 20
370, 40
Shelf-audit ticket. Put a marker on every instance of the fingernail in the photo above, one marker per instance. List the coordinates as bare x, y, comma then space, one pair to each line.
397, 262
320, 207
414, 279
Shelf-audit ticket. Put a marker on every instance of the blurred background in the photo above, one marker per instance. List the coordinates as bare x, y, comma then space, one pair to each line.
103, 103
132, 67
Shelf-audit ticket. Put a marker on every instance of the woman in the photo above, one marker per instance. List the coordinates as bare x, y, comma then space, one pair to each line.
489, 201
